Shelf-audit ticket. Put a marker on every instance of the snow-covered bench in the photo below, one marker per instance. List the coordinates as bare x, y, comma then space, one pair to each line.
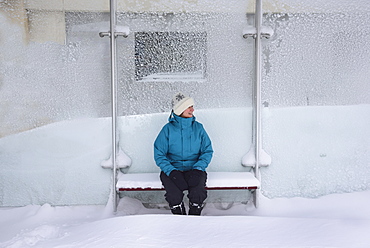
139, 130
215, 181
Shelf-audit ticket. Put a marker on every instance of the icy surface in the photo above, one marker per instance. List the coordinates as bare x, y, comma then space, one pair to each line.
340, 220
317, 150
57, 164
319, 58
45, 82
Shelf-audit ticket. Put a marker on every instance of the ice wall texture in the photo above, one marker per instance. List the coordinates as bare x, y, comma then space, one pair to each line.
46, 82
41, 83
319, 58
56, 164
313, 60
316, 150
226, 70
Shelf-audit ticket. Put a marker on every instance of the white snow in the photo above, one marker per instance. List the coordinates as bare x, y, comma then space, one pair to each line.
249, 159
249, 31
175, 76
214, 180
268, 31
231, 179
139, 180
338, 220
123, 29
122, 161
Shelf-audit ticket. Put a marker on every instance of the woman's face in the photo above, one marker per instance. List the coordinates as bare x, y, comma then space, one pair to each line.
188, 113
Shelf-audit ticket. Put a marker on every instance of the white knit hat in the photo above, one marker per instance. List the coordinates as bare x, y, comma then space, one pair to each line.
180, 103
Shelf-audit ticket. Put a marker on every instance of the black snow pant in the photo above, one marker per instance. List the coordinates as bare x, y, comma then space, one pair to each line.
174, 196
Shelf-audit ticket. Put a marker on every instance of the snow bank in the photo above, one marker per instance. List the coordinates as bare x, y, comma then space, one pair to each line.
339, 220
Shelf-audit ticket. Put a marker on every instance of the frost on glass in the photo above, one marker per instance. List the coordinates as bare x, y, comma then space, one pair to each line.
201, 54
44, 81
170, 56
47, 80
316, 93
317, 59
60, 75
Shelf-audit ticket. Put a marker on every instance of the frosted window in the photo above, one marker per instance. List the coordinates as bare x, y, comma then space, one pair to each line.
170, 55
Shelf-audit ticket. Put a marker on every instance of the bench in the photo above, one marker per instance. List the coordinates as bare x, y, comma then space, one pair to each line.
215, 181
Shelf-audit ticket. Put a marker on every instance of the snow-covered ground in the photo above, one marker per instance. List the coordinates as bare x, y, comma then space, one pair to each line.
338, 220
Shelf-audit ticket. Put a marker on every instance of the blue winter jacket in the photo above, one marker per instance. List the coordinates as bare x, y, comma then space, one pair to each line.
183, 145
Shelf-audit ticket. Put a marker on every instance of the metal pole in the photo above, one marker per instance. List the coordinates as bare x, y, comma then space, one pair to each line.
257, 113
113, 98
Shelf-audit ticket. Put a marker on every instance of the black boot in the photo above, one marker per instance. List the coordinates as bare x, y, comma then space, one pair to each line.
195, 208
178, 209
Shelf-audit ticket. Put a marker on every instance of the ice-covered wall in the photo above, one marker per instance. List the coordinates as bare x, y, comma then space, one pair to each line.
41, 83
57, 164
315, 151
317, 59
229, 63
315, 92
72, 80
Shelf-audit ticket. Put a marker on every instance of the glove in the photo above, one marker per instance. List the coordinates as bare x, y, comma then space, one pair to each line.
194, 177
178, 178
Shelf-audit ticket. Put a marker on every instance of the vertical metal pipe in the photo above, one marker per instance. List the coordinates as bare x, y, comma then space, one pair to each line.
257, 89
113, 98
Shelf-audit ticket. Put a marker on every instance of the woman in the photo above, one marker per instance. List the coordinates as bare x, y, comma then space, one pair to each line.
183, 151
